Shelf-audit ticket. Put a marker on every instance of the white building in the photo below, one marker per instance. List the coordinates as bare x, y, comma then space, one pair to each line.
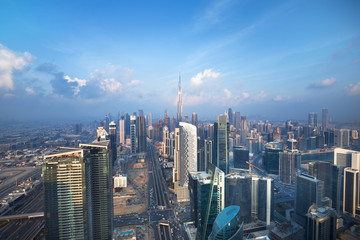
120, 181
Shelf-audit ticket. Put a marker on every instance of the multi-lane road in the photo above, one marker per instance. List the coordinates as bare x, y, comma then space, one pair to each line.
159, 212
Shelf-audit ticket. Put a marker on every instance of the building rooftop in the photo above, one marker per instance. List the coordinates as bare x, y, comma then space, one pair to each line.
96, 143
63, 151
202, 177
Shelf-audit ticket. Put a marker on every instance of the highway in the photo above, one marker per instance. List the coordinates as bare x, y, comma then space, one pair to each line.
159, 210
25, 228
164, 232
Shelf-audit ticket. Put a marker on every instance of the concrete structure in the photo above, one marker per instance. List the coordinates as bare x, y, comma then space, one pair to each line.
208, 154
289, 163
112, 135
166, 142
325, 118
241, 156
351, 192
347, 158
141, 134
194, 119
313, 119
120, 181
271, 157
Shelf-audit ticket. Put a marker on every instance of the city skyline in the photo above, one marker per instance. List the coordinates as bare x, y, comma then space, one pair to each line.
273, 60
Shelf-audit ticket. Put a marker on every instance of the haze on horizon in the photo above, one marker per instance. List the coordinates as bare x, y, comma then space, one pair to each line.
275, 60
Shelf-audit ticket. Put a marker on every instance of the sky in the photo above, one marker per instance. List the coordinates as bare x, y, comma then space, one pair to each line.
276, 60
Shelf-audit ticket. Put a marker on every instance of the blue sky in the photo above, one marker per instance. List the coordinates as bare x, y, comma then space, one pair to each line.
270, 59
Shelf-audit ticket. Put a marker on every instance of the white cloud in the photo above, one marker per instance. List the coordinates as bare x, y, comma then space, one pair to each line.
135, 82
245, 95
198, 79
324, 83
111, 85
11, 61
227, 93
353, 89
80, 82
29, 91
281, 98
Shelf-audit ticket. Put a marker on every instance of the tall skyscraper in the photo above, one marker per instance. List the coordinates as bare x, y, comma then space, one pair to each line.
99, 189
133, 134
254, 195
289, 163
237, 121
208, 154
179, 103
221, 144
314, 191
127, 125
112, 135
231, 116
321, 223
241, 156
351, 192
325, 118
271, 157
150, 119
141, 133
122, 130
194, 119
313, 119
166, 142
65, 194
207, 198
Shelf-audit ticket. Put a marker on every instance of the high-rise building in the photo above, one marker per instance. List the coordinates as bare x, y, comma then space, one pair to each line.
166, 142
122, 130
325, 118
237, 121
194, 119
99, 189
228, 225
112, 135
179, 103
208, 154
207, 198
254, 195
321, 223
347, 158
101, 132
150, 119
244, 123
241, 156
65, 194
141, 134
133, 134
314, 191
230, 116
313, 119
172, 144
185, 158
351, 192
333, 177
289, 163
221, 144
271, 157
127, 125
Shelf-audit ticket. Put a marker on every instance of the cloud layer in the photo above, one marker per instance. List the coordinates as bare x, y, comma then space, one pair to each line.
353, 89
199, 78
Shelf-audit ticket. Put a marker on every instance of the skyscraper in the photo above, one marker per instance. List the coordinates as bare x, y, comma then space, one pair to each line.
237, 121
351, 192
150, 119
112, 135
207, 198
141, 133
194, 119
289, 163
313, 119
185, 158
321, 223
65, 194
314, 191
221, 144
231, 116
179, 103
133, 134
241, 156
325, 118
99, 188
122, 130
166, 142
208, 154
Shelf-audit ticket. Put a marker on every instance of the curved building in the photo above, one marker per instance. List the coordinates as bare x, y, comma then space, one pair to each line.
188, 151
227, 225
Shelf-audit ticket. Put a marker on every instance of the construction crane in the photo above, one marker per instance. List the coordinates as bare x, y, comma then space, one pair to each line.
252, 165
298, 140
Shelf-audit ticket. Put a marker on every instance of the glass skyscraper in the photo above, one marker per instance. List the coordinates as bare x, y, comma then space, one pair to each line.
65, 194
